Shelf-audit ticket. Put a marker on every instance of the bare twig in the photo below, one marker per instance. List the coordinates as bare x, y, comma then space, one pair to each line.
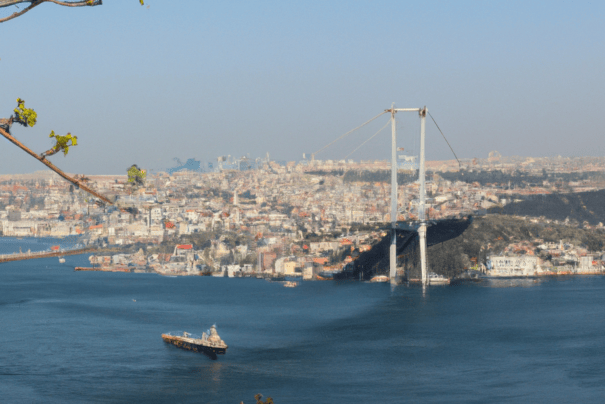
18, 13
35, 3
77, 3
53, 167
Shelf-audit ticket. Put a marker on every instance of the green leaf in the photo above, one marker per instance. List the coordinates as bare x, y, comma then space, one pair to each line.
25, 116
63, 142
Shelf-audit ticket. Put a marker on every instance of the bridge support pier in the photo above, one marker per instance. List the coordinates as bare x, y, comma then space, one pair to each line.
393, 257
422, 234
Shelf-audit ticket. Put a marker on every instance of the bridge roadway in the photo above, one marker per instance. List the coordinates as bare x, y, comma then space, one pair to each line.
43, 254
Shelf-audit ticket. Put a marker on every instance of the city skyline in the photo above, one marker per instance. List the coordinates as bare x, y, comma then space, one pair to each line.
144, 85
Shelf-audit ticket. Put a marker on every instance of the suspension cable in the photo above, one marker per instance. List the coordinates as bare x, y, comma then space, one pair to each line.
448, 143
371, 137
352, 130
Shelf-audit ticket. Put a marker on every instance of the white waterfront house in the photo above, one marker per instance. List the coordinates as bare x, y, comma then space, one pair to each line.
513, 266
590, 264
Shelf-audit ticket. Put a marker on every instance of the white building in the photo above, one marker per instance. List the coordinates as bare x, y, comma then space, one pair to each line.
589, 264
156, 214
513, 266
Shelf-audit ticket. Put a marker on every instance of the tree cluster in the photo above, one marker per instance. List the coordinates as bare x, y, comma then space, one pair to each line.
579, 207
368, 175
518, 178
486, 236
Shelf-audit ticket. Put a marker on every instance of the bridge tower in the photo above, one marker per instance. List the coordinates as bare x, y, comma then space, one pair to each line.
421, 209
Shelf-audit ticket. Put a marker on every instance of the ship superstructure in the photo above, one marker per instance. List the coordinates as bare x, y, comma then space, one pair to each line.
210, 344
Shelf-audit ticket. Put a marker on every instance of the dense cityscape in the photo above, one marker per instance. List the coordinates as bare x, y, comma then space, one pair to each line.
279, 202
297, 218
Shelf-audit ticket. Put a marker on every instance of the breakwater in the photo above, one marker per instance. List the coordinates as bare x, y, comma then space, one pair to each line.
43, 254
103, 269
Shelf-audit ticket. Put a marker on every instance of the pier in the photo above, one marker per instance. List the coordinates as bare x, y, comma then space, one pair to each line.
43, 254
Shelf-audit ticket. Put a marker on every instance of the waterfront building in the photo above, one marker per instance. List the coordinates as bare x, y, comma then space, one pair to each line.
503, 266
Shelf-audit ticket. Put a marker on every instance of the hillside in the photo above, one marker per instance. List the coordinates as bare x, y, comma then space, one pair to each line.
482, 177
491, 234
582, 206
519, 178
486, 236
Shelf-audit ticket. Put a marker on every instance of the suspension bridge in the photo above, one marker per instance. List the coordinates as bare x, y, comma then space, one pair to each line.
405, 238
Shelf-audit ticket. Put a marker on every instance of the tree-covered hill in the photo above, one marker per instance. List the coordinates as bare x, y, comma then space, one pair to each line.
489, 235
519, 178
483, 177
582, 206
486, 236
368, 175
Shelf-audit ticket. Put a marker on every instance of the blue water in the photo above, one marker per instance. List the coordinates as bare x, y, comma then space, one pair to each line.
80, 337
10, 245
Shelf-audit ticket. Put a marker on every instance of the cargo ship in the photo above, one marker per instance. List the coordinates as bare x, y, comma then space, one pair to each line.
211, 345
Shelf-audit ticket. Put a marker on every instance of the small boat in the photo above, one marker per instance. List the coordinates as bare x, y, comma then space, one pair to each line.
290, 284
436, 279
211, 345
379, 278
61, 260
326, 275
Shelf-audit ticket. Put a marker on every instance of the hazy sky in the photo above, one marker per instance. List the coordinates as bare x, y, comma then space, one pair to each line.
195, 78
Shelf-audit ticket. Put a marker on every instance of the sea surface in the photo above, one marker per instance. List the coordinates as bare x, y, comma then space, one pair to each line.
94, 337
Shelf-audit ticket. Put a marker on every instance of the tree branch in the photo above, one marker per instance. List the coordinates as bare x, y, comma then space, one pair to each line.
53, 167
34, 3
77, 3
25, 10
6, 3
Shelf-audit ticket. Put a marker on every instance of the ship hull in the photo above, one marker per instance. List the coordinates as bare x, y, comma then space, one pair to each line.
325, 276
212, 352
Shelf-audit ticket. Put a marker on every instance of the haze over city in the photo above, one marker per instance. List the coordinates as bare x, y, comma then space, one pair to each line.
200, 79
